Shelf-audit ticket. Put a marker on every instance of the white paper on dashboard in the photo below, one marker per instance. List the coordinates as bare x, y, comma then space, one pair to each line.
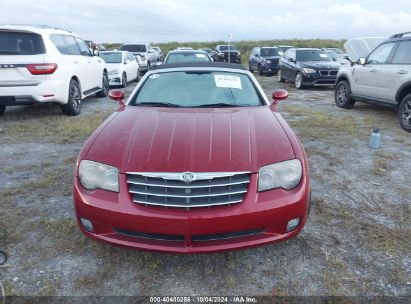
227, 81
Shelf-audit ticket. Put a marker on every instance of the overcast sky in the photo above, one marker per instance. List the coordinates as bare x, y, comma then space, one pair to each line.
206, 20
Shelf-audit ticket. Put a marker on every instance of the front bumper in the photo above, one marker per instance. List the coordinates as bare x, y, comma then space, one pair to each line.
119, 221
270, 68
316, 80
114, 80
233, 59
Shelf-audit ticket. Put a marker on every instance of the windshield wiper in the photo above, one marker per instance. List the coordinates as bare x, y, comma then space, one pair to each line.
218, 105
158, 104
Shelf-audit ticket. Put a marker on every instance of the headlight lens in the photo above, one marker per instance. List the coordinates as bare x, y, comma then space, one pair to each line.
309, 71
286, 175
268, 61
114, 72
95, 175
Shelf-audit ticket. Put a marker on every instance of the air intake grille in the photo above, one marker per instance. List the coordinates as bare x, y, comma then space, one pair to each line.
207, 189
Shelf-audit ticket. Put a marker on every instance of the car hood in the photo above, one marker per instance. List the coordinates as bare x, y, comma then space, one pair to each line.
154, 139
113, 66
325, 65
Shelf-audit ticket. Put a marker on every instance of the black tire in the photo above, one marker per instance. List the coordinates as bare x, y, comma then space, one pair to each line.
260, 70
137, 79
280, 76
73, 106
106, 86
2, 109
250, 68
298, 81
404, 113
124, 80
342, 95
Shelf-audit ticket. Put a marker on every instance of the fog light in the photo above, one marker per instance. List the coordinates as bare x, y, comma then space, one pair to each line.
293, 224
87, 224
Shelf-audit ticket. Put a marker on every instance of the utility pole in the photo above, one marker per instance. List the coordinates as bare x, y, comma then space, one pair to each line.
230, 36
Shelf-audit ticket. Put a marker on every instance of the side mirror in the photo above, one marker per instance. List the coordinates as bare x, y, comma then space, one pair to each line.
126, 61
257, 55
290, 60
278, 95
96, 52
118, 96
361, 60
334, 59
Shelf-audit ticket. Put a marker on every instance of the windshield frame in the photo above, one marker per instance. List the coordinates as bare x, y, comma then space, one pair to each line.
277, 50
113, 52
225, 48
312, 50
259, 90
126, 46
189, 52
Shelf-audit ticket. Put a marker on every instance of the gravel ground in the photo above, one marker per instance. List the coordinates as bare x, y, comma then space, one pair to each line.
356, 241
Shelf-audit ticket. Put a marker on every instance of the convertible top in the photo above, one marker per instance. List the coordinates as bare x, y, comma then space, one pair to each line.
224, 65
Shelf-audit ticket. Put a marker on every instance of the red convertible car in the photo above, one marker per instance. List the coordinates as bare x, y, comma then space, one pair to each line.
196, 160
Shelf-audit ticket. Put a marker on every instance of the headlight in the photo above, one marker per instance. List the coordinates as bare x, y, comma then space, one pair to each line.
95, 175
286, 175
309, 71
114, 72
268, 61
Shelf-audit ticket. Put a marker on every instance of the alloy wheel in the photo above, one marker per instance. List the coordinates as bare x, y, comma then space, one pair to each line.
75, 97
106, 85
406, 113
341, 95
298, 81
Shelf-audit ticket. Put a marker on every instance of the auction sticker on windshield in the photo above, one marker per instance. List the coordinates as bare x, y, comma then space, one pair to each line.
226, 81
200, 56
154, 76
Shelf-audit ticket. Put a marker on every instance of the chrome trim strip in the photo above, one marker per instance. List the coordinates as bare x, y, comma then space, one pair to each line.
188, 185
187, 196
188, 206
177, 175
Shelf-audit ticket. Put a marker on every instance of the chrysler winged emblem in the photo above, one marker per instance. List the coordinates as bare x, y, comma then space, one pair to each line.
187, 177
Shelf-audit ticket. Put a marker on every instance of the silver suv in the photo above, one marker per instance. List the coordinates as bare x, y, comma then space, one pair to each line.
147, 54
383, 78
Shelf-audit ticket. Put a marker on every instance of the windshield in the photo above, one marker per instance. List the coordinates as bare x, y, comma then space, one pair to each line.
21, 43
337, 50
111, 57
312, 55
269, 52
141, 48
198, 88
334, 55
186, 57
284, 48
225, 48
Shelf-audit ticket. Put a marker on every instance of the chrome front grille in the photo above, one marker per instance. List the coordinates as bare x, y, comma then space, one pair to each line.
206, 189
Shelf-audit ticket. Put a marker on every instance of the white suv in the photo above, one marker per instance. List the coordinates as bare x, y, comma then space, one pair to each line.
40, 64
383, 78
